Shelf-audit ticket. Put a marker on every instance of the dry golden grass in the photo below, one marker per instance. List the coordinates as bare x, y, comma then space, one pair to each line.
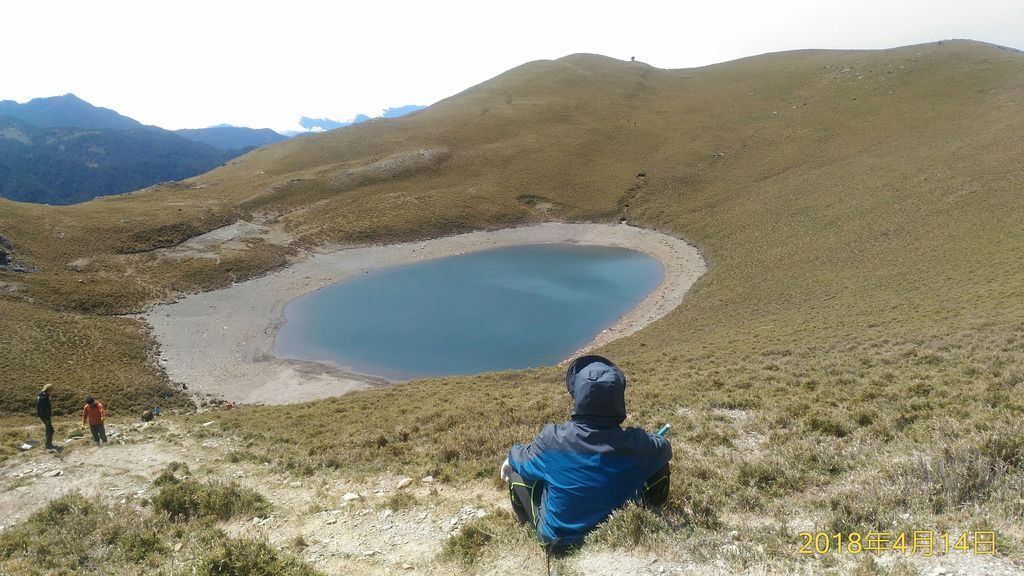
861, 325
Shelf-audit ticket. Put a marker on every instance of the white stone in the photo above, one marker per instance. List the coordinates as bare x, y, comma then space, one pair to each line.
404, 482
427, 480
350, 496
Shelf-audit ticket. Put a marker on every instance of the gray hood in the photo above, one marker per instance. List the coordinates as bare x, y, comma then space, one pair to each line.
598, 390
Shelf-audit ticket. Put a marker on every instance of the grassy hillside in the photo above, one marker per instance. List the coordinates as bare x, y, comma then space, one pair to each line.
853, 359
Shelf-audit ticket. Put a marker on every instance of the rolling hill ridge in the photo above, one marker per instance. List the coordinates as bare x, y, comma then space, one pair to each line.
853, 359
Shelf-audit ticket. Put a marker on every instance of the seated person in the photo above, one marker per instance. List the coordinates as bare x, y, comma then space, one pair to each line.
574, 474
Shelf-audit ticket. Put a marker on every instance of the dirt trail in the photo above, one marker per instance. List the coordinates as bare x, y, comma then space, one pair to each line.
341, 531
348, 525
112, 471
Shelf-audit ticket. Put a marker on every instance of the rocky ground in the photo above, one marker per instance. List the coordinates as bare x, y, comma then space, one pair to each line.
382, 525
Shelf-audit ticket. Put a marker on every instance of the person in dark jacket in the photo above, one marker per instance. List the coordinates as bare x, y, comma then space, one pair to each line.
45, 413
573, 475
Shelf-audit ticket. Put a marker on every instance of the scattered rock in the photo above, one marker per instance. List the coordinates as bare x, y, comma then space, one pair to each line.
404, 482
53, 473
210, 423
296, 484
407, 566
332, 521
427, 480
350, 496
79, 265
177, 547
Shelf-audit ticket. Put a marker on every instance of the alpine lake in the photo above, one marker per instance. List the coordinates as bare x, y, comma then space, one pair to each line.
497, 309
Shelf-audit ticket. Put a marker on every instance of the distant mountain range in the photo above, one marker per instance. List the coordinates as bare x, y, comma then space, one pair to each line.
67, 111
64, 150
225, 137
65, 164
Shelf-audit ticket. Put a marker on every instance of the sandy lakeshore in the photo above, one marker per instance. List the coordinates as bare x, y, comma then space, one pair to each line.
221, 343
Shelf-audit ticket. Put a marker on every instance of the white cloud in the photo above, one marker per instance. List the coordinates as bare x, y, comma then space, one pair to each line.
191, 63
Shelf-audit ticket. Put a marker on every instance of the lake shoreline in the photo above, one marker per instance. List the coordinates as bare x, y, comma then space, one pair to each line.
221, 343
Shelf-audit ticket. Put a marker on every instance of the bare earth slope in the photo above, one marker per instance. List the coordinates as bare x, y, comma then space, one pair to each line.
853, 359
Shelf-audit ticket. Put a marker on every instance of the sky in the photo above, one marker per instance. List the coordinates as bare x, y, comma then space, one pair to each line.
191, 64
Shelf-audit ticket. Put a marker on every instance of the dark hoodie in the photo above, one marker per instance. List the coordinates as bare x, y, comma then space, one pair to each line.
43, 409
590, 465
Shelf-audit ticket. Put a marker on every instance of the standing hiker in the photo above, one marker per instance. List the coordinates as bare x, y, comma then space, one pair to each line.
94, 413
574, 474
45, 413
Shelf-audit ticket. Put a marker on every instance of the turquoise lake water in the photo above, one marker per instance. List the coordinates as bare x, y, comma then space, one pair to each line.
498, 309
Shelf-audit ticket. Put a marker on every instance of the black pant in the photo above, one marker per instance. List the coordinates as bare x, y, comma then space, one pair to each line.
98, 433
49, 431
526, 496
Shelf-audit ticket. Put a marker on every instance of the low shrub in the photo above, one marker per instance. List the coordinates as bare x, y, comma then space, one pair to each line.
469, 544
401, 501
169, 474
73, 535
693, 506
248, 557
629, 527
188, 499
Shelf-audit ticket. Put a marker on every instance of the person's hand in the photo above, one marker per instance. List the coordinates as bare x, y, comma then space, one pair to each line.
505, 472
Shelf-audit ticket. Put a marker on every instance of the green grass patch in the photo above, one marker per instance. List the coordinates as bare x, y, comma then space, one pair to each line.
75, 535
250, 557
631, 526
187, 499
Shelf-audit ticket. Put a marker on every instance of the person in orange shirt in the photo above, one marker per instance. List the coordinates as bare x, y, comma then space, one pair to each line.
94, 413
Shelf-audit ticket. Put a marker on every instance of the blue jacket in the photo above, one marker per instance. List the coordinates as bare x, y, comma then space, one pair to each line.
590, 466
